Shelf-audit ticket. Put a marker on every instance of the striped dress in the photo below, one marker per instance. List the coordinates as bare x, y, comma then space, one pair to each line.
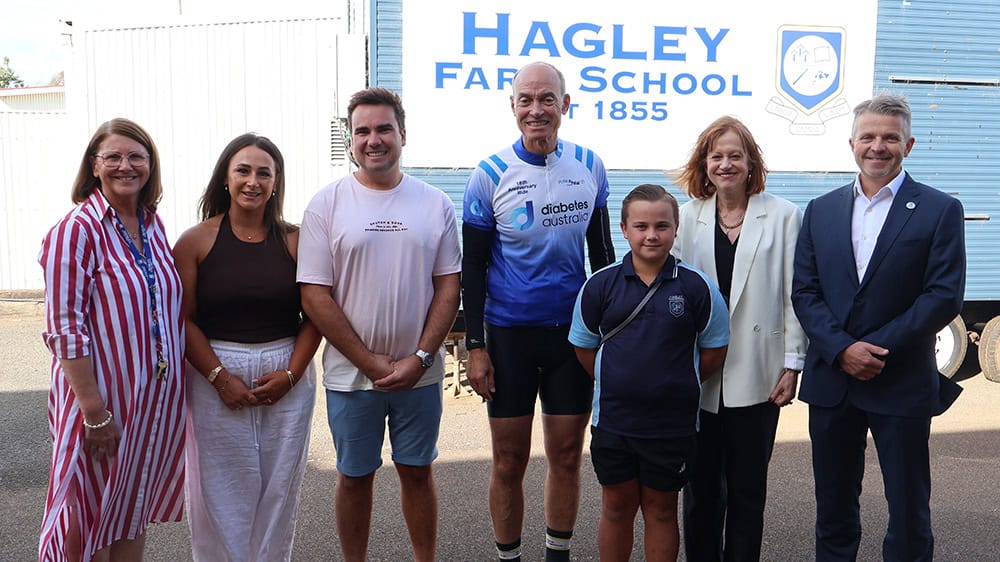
98, 305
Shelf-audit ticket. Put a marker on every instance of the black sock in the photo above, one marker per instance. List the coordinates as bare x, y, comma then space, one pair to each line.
557, 545
509, 551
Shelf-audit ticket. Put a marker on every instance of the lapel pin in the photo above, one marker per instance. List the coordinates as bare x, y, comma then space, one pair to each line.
911, 205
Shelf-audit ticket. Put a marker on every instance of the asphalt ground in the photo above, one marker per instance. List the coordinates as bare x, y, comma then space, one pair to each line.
965, 449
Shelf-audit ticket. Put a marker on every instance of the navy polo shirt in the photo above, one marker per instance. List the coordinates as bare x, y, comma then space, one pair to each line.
648, 381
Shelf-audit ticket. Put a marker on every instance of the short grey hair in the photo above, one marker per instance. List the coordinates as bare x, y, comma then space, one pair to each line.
886, 103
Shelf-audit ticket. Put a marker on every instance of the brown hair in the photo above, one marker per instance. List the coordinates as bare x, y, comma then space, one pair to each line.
216, 200
86, 182
649, 192
693, 178
376, 96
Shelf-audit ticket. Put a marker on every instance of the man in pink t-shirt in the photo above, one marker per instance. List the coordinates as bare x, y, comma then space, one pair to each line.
379, 266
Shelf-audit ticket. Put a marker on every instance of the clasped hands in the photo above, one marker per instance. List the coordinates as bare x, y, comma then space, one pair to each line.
267, 390
863, 360
387, 374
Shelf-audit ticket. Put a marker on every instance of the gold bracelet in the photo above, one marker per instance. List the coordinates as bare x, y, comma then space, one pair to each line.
214, 373
225, 384
291, 376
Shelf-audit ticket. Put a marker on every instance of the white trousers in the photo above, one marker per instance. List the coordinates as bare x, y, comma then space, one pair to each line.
245, 467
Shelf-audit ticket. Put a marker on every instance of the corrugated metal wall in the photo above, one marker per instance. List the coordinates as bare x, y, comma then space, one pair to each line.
196, 86
957, 125
31, 101
36, 172
945, 56
386, 45
193, 86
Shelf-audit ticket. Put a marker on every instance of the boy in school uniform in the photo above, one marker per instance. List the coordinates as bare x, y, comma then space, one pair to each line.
648, 357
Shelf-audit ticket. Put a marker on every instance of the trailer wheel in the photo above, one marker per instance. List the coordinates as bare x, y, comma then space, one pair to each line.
952, 344
989, 343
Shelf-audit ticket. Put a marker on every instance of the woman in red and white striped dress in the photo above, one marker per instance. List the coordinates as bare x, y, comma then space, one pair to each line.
116, 332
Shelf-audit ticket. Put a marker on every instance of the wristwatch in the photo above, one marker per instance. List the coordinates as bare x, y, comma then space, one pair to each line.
426, 359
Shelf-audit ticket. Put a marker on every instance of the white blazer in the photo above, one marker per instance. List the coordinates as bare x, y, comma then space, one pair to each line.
765, 336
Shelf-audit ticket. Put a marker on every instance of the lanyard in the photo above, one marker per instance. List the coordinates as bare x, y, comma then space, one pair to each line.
145, 261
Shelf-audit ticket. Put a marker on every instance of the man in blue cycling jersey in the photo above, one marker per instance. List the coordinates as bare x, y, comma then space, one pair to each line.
529, 210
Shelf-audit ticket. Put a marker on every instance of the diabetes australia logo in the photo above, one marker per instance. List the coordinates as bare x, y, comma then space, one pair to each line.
553, 214
523, 217
476, 208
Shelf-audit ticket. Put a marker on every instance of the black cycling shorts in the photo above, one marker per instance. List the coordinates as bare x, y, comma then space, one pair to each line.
531, 362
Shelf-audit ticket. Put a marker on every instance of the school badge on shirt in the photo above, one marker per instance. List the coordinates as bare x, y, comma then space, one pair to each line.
676, 305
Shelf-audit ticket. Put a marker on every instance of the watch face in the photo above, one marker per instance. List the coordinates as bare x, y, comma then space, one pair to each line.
426, 359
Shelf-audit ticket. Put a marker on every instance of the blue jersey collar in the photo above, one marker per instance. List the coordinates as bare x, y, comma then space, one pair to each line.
533, 158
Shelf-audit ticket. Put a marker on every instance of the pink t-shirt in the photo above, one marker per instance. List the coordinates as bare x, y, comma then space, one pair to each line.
378, 251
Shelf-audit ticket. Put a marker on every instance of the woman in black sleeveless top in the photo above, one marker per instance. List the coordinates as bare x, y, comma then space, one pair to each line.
743, 238
251, 383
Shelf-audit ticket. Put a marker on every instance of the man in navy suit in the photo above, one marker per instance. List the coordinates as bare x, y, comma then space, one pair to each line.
879, 270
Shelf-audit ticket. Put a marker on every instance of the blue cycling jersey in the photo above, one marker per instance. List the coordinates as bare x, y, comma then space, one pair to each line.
540, 207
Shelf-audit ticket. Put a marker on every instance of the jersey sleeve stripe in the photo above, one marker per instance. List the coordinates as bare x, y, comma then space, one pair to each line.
501, 165
485, 166
585, 156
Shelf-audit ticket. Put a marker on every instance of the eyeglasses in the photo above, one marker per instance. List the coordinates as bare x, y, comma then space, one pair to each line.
115, 159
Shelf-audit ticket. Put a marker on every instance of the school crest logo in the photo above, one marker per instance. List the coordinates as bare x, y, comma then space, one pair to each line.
675, 303
809, 78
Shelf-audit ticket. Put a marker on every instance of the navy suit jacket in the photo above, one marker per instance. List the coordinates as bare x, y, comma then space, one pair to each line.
913, 287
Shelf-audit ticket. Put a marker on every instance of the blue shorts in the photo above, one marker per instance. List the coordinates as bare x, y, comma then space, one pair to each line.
357, 423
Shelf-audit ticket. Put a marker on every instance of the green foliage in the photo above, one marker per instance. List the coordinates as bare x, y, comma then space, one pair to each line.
9, 78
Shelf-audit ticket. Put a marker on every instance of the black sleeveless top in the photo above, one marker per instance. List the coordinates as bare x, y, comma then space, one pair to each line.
247, 291
725, 260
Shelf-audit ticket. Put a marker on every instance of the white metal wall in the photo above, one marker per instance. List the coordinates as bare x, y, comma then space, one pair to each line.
33, 101
36, 172
196, 86
193, 86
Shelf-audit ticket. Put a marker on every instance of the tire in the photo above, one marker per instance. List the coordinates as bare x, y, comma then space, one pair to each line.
951, 347
989, 344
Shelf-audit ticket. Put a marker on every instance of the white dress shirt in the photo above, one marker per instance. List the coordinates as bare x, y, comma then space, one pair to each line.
868, 218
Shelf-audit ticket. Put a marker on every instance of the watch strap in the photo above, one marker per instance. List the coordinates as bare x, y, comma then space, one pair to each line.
426, 358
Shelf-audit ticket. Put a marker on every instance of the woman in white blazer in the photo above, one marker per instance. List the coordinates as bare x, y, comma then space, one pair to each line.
744, 240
